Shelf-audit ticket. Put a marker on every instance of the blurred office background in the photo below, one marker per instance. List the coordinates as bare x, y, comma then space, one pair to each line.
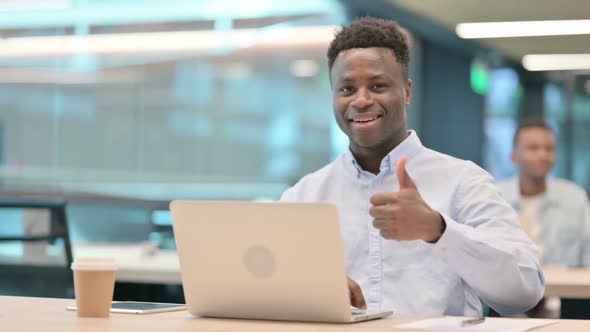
117, 107
229, 99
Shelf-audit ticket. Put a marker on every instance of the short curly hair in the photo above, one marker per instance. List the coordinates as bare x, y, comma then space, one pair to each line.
368, 32
530, 123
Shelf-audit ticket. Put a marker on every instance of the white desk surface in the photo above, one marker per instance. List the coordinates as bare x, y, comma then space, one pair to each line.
137, 263
140, 264
49, 315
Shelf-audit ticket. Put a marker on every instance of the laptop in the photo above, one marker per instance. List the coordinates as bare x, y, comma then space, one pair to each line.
276, 261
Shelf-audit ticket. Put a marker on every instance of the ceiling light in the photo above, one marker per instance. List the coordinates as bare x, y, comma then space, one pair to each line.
236, 70
21, 5
65, 77
168, 42
304, 68
522, 29
545, 62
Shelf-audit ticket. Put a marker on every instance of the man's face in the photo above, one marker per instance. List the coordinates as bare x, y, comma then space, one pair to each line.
534, 152
370, 97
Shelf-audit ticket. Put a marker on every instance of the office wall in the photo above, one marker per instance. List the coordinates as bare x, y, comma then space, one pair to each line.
1, 143
233, 102
452, 114
243, 118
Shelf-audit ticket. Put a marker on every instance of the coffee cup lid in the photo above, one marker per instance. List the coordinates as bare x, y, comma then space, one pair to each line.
94, 264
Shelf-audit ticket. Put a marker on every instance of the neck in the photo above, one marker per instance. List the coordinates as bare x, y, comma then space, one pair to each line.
370, 162
370, 158
531, 186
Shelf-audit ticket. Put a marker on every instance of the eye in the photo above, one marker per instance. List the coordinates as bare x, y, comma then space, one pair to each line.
345, 90
379, 86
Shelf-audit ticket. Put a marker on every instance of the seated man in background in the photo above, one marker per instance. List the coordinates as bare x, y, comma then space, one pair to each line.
555, 213
424, 233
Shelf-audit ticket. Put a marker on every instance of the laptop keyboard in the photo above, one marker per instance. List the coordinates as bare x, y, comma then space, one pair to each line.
357, 312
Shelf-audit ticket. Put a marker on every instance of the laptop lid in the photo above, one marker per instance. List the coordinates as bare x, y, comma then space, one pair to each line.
280, 261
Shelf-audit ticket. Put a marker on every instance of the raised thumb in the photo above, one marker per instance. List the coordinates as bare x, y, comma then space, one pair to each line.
405, 181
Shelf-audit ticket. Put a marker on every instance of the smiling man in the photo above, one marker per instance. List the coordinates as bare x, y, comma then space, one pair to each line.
424, 233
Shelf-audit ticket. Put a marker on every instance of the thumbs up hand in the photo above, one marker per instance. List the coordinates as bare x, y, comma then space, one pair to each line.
404, 215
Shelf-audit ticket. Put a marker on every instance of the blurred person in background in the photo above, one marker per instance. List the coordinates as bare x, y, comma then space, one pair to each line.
423, 232
555, 213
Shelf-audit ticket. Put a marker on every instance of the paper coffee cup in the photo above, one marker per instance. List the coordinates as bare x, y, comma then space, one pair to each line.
94, 283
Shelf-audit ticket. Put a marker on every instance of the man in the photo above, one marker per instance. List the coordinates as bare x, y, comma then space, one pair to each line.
554, 212
424, 233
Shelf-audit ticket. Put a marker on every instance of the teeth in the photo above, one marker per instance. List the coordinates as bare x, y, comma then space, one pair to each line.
365, 120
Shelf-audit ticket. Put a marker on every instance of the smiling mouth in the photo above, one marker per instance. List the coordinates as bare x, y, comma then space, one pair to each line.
366, 119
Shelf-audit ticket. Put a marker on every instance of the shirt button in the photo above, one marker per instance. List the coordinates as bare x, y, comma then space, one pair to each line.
442, 250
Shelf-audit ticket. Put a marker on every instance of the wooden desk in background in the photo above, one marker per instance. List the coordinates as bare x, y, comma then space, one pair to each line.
573, 283
49, 315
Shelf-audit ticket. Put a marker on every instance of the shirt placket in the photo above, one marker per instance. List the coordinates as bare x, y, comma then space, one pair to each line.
374, 291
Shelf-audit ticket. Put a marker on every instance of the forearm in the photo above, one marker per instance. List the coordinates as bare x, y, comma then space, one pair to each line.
504, 272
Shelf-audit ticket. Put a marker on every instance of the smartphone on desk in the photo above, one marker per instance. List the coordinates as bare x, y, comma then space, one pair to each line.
133, 307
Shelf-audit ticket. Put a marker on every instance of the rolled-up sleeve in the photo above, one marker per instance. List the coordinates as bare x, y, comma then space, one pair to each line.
485, 245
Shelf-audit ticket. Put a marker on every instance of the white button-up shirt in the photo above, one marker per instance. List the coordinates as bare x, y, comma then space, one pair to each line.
483, 252
563, 221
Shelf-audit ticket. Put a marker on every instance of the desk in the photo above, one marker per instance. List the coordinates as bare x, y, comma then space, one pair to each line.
49, 315
162, 266
137, 263
567, 282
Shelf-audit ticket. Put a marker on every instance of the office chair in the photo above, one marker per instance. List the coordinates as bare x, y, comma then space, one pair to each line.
42, 279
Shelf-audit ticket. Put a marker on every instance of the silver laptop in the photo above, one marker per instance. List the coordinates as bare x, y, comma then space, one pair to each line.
279, 261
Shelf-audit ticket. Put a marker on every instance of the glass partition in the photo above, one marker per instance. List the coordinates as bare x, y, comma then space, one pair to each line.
150, 101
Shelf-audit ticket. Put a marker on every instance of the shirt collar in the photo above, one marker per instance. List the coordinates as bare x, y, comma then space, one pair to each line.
410, 146
549, 197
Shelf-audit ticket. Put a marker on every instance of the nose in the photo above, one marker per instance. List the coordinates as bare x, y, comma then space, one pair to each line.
546, 154
363, 99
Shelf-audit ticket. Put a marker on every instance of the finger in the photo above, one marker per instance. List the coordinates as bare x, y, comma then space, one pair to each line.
387, 234
383, 198
357, 299
408, 195
382, 224
405, 181
380, 211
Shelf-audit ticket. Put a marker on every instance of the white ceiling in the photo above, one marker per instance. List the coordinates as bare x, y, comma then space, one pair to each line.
449, 13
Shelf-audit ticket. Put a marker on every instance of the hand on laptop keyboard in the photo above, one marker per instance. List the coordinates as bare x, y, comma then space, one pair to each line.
356, 294
354, 311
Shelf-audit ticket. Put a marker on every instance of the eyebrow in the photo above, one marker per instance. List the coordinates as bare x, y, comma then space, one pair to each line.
377, 76
348, 78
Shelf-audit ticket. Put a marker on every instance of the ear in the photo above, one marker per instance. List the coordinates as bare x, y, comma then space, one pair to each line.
513, 155
408, 91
